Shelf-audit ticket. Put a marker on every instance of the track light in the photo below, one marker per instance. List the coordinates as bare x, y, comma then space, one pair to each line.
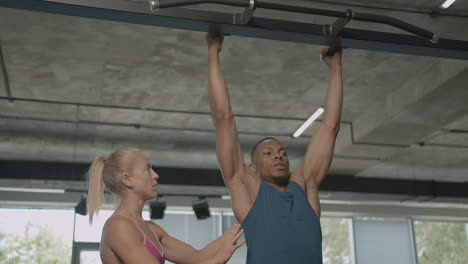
447, 4
201, 208
308, 122
157, 208
31, 190
81, 207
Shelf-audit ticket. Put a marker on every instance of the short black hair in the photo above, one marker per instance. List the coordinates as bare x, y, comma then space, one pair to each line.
252, 152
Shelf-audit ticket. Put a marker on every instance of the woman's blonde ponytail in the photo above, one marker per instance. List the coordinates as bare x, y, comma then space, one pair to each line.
96, 186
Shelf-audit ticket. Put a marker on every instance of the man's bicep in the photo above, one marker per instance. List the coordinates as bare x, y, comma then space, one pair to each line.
310, 189
319, 155
228, 150
243, 194
313, 196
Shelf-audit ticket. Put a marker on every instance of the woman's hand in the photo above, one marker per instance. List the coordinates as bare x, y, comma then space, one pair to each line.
228, 243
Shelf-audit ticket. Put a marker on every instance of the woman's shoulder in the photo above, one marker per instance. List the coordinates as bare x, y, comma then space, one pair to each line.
117, 225
157, 230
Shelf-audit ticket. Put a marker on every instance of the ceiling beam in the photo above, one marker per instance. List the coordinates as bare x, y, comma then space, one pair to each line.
414, 189
264, 28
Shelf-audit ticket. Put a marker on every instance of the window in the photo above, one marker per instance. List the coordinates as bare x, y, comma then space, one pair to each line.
90, 257
441, 242
336, 240
84, 232
35, 235
383, 241
46, 236
184, 226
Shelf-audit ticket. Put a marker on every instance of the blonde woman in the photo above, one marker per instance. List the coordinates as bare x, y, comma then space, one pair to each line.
126, 237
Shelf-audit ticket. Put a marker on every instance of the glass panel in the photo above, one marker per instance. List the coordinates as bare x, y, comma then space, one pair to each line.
336, 240
84, 232
184, 226
383, 242
174, 223
466, 230
90, 257
201, 232
441, 242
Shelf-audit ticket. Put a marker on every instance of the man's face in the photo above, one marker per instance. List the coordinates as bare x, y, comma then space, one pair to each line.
272, 161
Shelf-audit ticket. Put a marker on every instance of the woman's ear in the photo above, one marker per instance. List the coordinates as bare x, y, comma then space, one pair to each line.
127, 180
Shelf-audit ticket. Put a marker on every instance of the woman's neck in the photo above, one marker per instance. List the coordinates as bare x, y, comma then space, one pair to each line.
130, 207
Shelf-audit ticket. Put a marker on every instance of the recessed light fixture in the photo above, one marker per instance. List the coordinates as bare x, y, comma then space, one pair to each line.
308, 122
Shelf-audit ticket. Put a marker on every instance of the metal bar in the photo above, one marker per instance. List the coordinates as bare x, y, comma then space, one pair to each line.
197, 20
414, 246
398, 24
355, 16
245, 17
156, 4
6, 81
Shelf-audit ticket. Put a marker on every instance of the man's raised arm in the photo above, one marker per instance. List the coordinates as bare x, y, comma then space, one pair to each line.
227, 141
320, 150
228, 147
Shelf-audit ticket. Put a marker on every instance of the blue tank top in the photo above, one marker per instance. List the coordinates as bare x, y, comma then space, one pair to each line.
282, 227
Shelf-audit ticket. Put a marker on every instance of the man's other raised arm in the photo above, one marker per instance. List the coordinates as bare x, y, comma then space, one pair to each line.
228, 147
320, 150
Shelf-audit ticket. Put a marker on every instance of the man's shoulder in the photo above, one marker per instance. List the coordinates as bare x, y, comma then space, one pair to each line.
298, 178
244, 177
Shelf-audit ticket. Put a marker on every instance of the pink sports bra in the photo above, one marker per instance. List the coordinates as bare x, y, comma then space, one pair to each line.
148, 244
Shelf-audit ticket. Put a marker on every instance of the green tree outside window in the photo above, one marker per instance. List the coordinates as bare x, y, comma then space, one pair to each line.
38, 245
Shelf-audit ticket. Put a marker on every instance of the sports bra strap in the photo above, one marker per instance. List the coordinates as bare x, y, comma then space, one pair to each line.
144, 236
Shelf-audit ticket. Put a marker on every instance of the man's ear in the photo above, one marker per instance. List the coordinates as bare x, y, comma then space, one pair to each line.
127, 180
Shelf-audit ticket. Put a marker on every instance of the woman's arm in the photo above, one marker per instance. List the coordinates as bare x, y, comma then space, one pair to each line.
218, 251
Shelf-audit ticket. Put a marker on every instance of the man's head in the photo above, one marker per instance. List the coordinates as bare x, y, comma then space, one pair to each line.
270, 161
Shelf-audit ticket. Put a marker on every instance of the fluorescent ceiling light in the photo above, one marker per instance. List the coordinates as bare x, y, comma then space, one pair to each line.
226, 197
308, 122
447, 3
31, 190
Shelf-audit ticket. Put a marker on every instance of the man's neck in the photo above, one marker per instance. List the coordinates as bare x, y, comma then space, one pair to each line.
280, 185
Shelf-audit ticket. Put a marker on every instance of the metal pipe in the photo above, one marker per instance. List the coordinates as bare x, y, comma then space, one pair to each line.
299, 9
433, 37
156, 4
6, 81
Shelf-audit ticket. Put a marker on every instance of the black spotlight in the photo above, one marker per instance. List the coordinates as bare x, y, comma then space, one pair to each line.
81, 207
157, 208
201, 208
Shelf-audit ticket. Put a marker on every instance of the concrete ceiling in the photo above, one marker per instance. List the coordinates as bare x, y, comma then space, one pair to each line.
83, 87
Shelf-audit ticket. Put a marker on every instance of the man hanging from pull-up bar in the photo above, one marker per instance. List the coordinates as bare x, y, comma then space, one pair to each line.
279, 210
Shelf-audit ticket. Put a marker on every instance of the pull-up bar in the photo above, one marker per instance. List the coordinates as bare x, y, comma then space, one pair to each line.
257, 27
251, 4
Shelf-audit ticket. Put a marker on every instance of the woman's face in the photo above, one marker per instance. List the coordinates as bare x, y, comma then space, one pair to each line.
144, 178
